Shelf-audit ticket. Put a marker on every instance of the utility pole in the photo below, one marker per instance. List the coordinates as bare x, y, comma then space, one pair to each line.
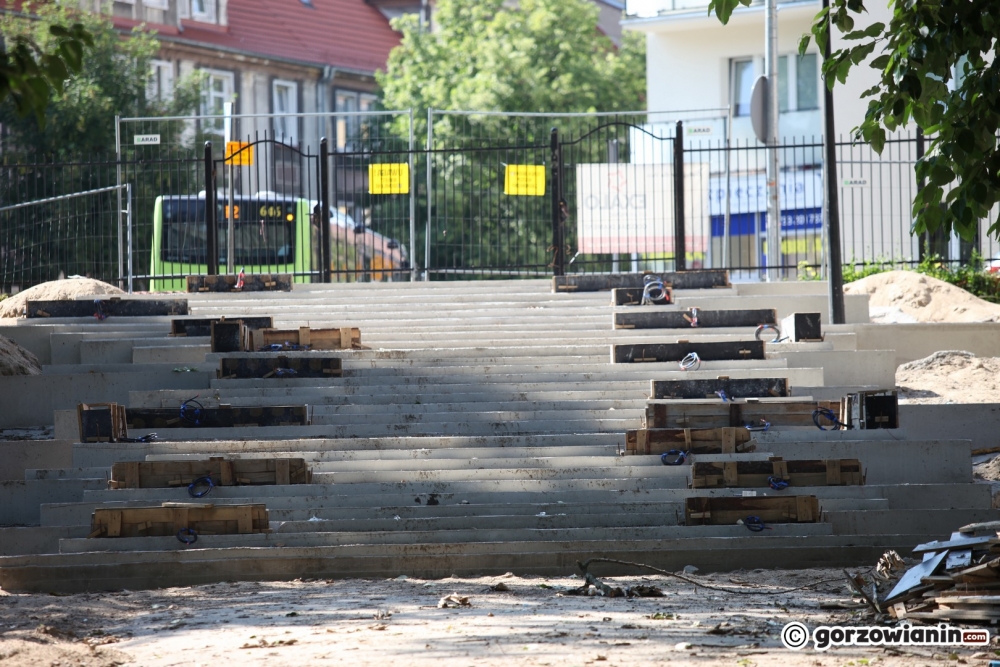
834, 260
773, 202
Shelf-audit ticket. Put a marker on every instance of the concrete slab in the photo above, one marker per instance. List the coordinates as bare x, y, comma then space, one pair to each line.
18, 455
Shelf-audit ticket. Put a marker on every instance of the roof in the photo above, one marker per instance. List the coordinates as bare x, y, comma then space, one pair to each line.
347, 34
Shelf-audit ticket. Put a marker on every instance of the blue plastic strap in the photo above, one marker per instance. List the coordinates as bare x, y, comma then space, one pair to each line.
201, 481
762, 426
187, 535
754, 524
681, 457
777, 483
827, 413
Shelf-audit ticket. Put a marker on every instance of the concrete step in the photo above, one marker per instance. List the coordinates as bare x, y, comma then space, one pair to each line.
137, 570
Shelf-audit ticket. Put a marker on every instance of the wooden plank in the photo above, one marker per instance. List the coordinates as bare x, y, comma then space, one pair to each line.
169, 518
682, 319
706, 351
341, 338
101, 422
263, 282
229, 336
715, 413
191, 327
734, 388
281, 471
166, 474
107, 307
698, 279
632, 296
222, 417
797, 472
280, 367
701, 511
696, 441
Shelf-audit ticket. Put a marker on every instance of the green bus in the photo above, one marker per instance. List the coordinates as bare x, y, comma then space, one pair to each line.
273, 234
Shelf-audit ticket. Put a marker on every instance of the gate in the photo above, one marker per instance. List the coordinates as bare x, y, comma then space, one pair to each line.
525, 194
183, 171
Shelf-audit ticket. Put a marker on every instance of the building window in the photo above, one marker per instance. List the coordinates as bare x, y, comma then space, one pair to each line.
157, 4
160, 84
352, 129
743, 79
217, 91
203, 10
184, 9
807, 82
284, 100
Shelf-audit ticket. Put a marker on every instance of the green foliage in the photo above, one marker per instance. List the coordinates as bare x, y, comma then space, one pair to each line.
971, 277
916, 55
111, 80
493, 55
535, 55
33, 65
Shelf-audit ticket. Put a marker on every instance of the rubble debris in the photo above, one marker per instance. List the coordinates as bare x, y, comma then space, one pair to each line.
958, 579
454, 601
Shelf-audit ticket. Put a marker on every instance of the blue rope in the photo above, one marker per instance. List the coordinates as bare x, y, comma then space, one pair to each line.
680, 460
754, 524
187, 535
201, 481
836, 424
285, 372
722, 394
762, 426
191, 415
100, 314
284, 347
777, 483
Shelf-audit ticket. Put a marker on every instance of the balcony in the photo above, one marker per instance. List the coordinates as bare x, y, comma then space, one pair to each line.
644, 9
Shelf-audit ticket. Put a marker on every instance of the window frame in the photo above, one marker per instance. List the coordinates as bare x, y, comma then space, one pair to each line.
210, 15
206, 95
287, 118
156, 67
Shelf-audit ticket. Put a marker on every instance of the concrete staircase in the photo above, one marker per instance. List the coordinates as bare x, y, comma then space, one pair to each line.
481, 432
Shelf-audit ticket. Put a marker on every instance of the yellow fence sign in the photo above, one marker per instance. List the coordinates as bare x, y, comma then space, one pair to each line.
524, 179
239, 153
389, 179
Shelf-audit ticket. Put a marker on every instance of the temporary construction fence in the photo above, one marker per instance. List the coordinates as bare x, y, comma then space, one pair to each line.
486, 195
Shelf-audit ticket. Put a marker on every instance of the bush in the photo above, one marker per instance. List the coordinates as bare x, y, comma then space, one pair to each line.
971, 277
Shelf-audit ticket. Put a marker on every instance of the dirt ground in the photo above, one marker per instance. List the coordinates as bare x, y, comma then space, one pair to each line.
907, 296
15, 360
397, 621
950, 376
55, 290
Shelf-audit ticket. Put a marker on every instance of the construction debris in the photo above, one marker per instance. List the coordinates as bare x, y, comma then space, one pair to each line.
454, 601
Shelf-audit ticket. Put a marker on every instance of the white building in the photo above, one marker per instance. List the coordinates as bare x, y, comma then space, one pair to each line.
695, 62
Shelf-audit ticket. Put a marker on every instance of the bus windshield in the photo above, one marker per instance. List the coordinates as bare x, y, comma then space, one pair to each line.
265, 231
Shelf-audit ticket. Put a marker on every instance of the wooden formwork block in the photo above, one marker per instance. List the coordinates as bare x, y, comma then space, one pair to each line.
802, 472
702, 511
169, 518
695, 441
223, 472
713, 414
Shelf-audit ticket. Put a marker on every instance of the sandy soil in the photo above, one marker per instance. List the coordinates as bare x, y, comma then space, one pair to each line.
392, 622
907, 296
950, 376
55, 290
15, 360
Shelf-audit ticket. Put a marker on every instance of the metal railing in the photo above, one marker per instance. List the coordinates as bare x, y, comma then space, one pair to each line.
488, 195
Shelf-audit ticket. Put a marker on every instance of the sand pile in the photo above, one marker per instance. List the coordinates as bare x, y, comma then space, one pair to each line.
907, 296
56, 290
15, 360
950, 377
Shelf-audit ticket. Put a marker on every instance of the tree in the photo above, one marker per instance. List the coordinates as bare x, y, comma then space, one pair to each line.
939, 68
495, 55
537, 55
76, 117
29, 70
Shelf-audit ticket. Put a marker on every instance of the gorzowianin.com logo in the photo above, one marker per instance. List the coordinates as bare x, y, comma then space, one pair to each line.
796, 636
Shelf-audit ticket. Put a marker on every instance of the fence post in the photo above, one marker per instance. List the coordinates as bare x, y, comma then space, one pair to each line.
680, 242
324, 213
925, 238
211, 229
558, 256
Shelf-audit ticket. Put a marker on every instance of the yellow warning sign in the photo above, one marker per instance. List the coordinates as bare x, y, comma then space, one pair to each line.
239, 153
389, 179
524, 179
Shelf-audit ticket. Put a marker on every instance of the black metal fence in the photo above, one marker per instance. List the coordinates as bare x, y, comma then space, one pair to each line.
485, 196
